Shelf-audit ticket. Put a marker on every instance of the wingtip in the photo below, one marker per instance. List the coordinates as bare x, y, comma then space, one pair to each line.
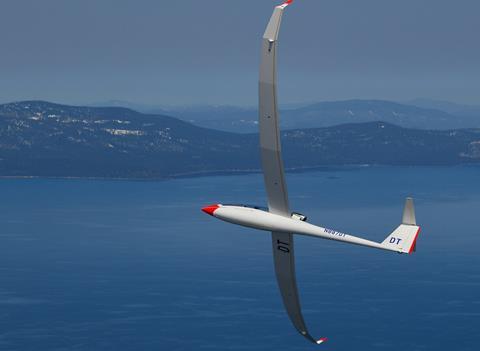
321, 341
286, 3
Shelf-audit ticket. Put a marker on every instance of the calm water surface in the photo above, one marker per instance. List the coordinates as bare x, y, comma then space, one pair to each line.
107, 265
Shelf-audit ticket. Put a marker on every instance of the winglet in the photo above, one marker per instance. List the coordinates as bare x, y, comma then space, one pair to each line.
271, 33
286, 3
322, 340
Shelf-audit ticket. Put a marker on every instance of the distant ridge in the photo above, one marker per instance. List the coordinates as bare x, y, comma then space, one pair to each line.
42, 139
462, 111
327, 114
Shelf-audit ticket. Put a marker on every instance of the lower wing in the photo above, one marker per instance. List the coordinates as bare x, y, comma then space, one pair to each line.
284, 259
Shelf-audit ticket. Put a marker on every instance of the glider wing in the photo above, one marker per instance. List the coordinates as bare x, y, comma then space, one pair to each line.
273, 170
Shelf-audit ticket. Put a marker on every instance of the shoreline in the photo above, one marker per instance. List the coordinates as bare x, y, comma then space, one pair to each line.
220, 173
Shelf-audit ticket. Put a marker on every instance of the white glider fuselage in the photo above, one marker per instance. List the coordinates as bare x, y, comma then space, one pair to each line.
263, 220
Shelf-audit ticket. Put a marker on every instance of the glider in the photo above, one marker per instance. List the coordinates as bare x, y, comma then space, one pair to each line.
278, 219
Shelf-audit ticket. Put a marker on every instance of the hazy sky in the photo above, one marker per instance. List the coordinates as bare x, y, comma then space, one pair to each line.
167, 52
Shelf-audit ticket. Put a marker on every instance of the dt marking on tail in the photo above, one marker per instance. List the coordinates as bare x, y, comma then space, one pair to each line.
395, 240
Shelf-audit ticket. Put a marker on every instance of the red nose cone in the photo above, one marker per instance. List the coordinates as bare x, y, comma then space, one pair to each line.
210, 209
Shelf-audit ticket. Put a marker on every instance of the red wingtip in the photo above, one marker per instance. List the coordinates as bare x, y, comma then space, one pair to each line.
210, 209
322, 340
288, 2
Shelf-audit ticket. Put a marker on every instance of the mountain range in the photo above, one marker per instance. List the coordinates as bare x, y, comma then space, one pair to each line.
51, 140
419, 114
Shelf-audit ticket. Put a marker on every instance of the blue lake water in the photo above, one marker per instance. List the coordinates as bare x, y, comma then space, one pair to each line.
110, 265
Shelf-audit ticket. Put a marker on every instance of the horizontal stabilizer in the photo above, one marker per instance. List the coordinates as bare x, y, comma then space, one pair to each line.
409, 213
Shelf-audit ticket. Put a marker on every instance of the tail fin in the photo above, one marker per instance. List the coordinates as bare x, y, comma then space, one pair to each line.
404, 238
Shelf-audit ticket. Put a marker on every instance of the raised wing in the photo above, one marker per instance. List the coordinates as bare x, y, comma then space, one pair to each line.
273, 170
271, 151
